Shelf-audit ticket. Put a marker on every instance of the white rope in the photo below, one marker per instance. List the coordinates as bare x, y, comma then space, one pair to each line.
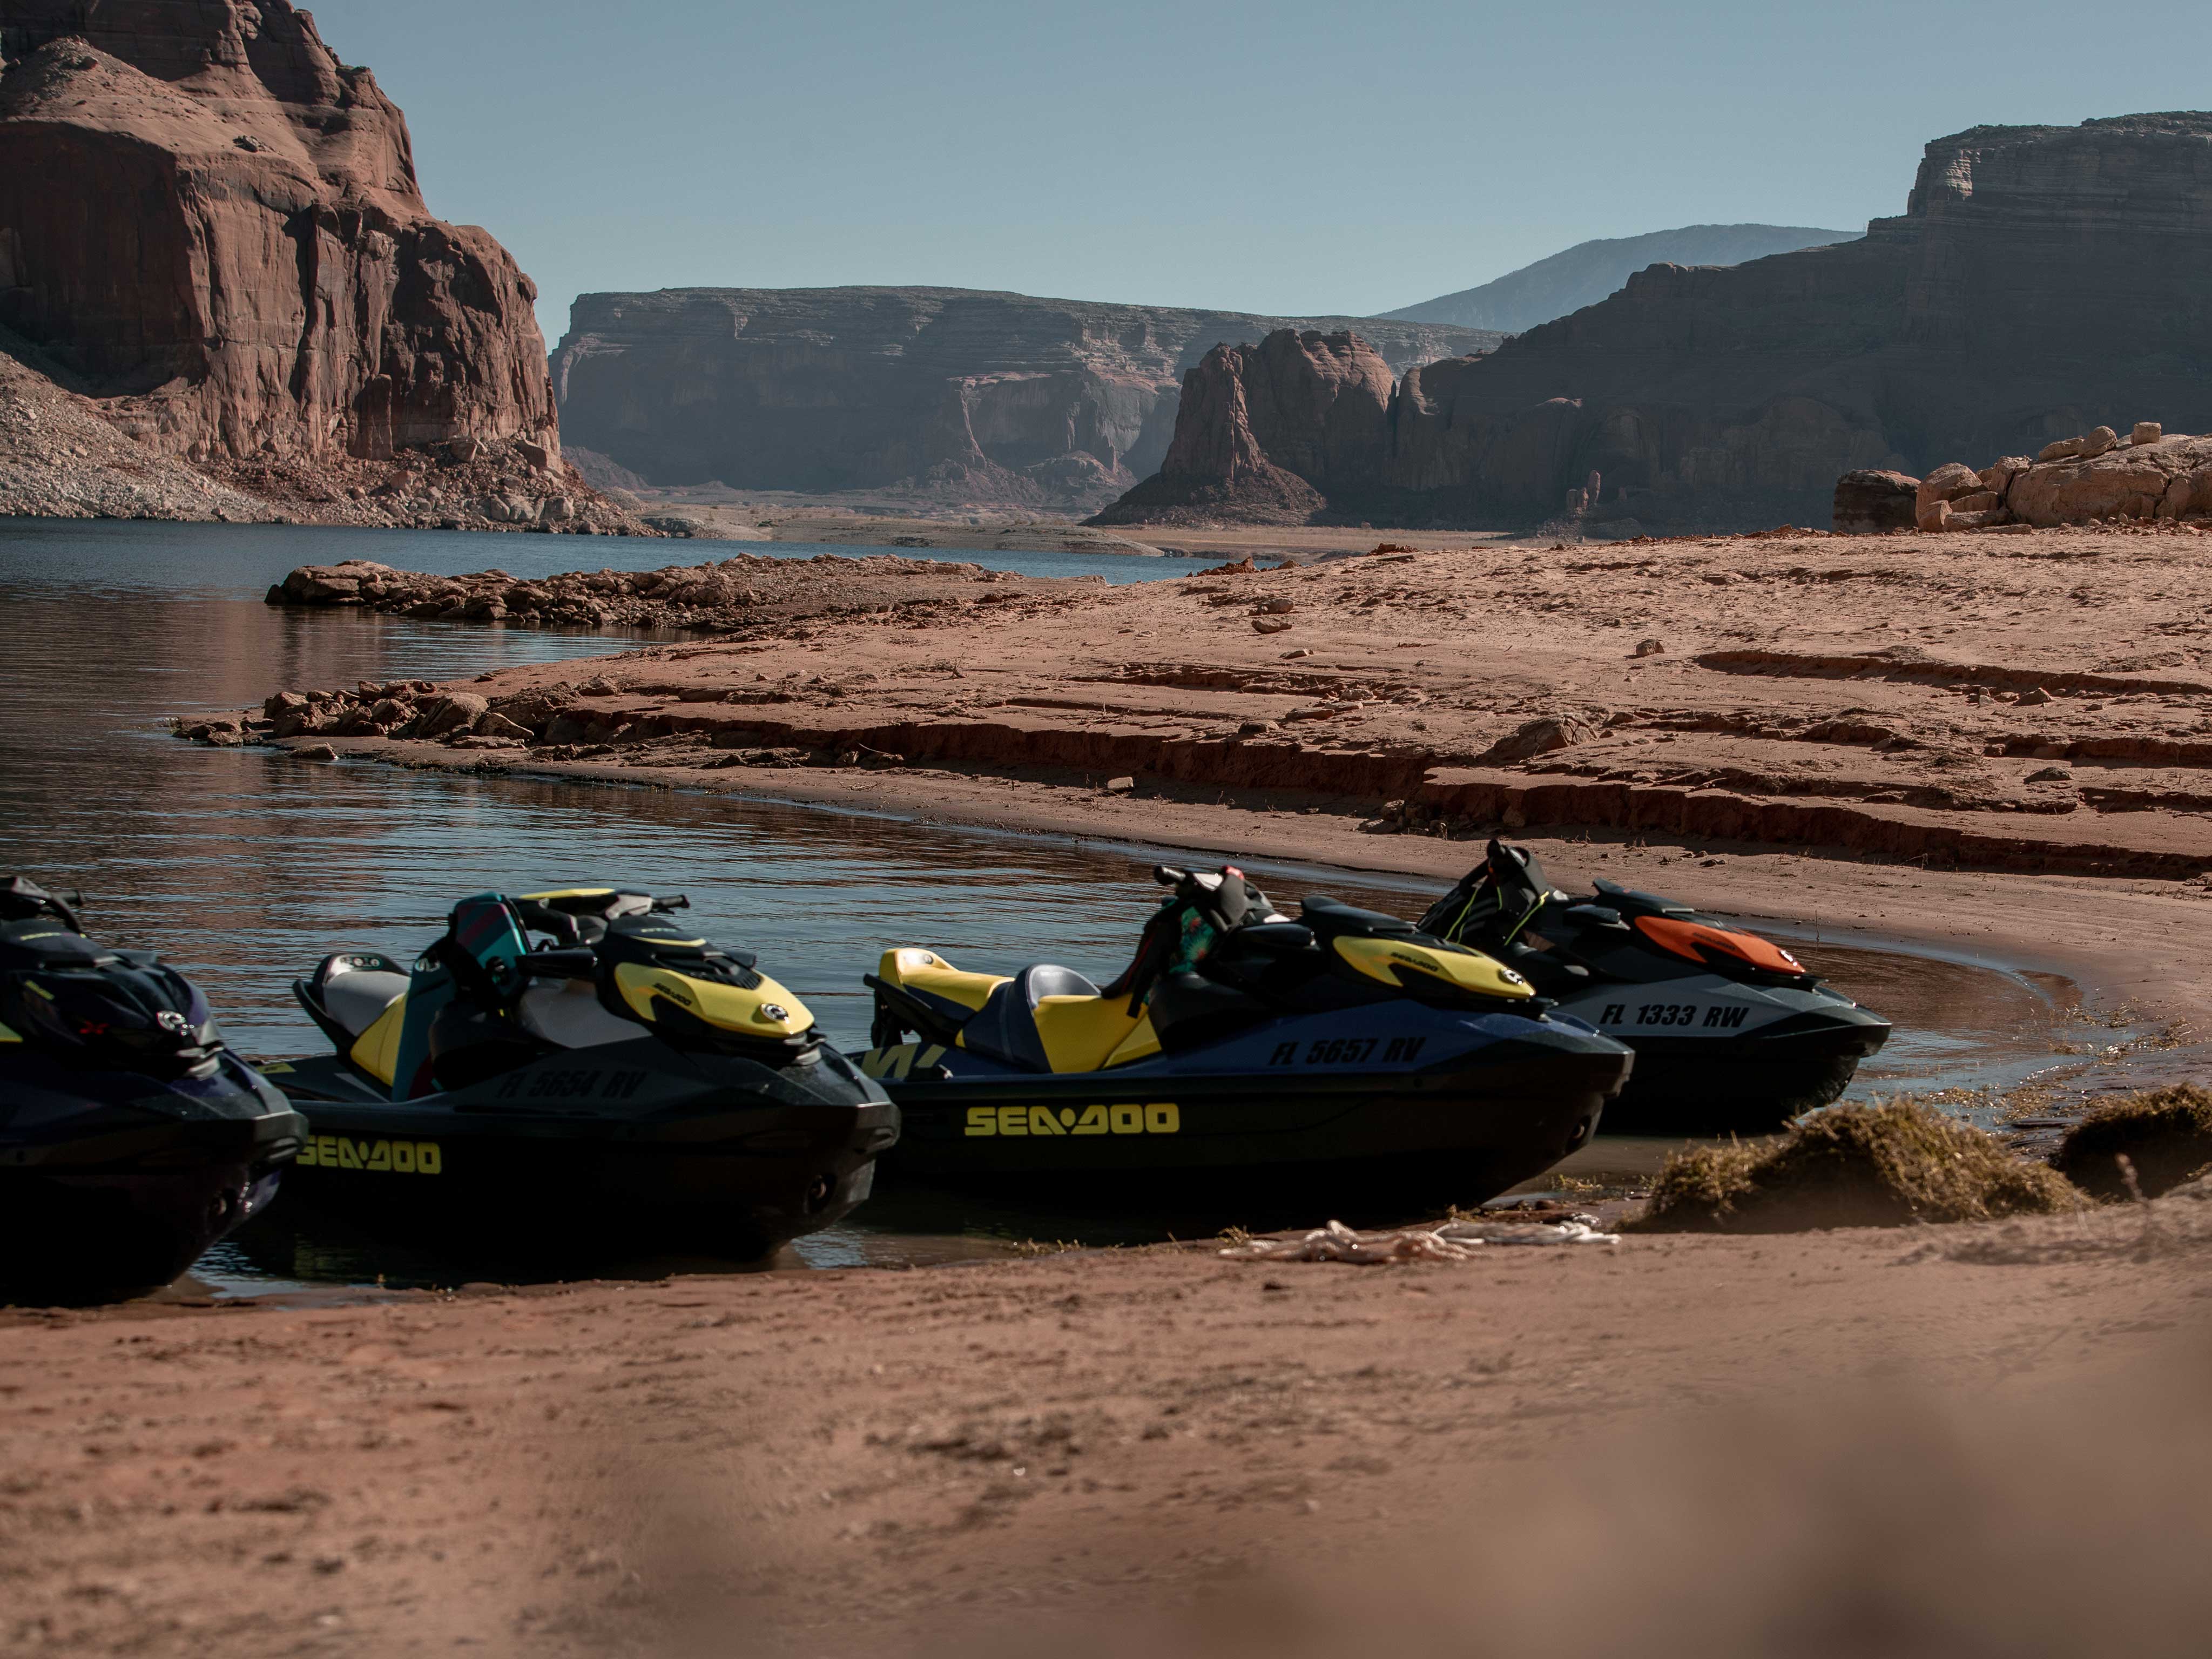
1451, 1241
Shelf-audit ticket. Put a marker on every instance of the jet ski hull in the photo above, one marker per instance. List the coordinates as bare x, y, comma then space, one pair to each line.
627, 1146
1718, 1057
1325, 1106
131, 1186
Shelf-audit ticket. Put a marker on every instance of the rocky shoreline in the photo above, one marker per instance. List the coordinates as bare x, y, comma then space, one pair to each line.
1954, 713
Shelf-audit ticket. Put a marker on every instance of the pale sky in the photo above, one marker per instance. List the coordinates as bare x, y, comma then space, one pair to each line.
1291, 159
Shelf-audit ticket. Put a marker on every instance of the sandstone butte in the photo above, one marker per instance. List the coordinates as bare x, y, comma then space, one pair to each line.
950, 394
2041, 281
277, 314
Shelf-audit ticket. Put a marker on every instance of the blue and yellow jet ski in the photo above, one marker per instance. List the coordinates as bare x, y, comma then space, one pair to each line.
1733, 1035
130, 1138
1344, 1053
576, 1069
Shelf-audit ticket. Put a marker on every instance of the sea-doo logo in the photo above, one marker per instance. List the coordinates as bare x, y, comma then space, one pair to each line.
173, 1022
774, 1010
1163, 1119
373, 1157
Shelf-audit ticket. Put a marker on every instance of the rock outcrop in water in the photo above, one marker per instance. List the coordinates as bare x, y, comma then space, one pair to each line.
2041, 280
948, 394
213, 229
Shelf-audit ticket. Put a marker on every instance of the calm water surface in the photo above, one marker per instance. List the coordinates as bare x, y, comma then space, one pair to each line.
244, 868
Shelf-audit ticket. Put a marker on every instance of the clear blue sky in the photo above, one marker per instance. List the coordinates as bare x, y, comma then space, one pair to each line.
1296, 158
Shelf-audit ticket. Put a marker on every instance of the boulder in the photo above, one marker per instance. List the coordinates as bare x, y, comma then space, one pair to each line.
2164, 479
491, 724
1946, 484
1998, 475
2147, 432
455, 711
1540, 736
1870, 502
2089, 444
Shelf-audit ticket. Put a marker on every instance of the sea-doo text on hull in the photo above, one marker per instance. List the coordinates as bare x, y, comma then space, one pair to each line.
1732, 1034
130, 1138
619, 1084
1241, 1054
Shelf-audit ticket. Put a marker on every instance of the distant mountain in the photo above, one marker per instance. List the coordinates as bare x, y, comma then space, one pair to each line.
1588, 272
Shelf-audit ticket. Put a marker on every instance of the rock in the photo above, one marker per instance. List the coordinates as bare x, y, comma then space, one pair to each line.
1870, 502
1257, 424
1649, 649
1941, 488
1997, 477
1277, 607
492, 724
455, 711
1271, 624
1981, 500
2089, 445
2035, 698
1735, 396
2052, 775
1540, 736
2147, 432
278, 281
316, 752
2161, 480
1121, 786
950, 394
281, 703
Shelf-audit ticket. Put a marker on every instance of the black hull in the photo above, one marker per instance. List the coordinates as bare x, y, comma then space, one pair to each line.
127, 1212
734, 1182
1243, 1147
1756, 1089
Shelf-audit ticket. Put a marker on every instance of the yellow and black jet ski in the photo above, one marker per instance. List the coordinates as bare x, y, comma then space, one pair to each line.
575, 1067
1344, 1053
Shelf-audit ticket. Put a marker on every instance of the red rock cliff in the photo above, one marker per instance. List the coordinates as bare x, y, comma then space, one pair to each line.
217, 224
2042, 280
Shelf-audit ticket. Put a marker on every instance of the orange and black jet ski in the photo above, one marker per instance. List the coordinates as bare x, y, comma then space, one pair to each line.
1343, 1053
576, 1069
130, 1138
1732, 1034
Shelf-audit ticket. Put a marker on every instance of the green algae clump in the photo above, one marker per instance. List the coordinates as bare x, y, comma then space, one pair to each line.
1885, 1165
2165, 1135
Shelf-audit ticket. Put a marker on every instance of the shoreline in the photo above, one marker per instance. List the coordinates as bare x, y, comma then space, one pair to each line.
2071, 926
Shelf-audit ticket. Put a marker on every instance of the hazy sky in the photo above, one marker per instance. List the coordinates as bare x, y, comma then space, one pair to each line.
1289, 159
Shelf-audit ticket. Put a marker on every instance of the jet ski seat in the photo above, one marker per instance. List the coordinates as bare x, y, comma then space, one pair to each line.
356, 997
1048, 1019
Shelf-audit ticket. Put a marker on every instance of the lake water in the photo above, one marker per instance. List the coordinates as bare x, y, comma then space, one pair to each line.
244, 867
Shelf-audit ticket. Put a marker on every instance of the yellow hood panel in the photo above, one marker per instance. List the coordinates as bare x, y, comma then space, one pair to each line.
766, 1011
1388, 959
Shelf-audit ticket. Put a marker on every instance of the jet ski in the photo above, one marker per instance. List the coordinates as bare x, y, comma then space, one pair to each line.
573, 1069
1344, 1053
130, 1138
1732, 1034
